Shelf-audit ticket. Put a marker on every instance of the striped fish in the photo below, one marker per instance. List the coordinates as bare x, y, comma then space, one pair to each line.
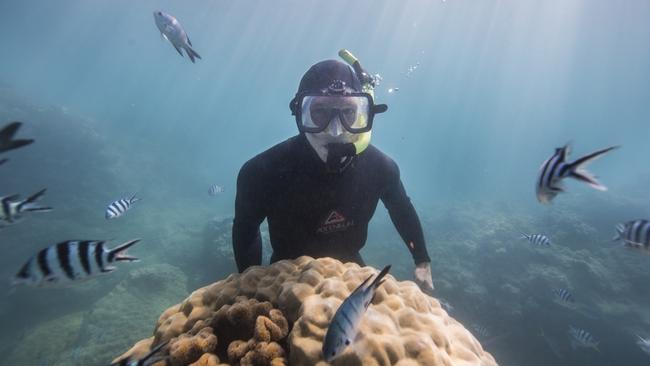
556, 168
12, 208
582, 338
644, 344
537, 239
563, 294
345, 323
71, 261
146, 360
119, 207
635, 234
215, 189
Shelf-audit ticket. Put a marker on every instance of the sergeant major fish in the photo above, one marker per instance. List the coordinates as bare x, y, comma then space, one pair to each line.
537, 239
345, 323
119, 207
146, 360
563, 295
582, 338
12, 208
556, 168
72, 261
173, 31
635, 234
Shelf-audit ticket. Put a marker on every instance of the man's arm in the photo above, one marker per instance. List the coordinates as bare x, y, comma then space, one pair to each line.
249, 214
403, 215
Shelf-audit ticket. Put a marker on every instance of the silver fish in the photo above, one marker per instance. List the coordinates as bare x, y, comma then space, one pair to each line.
146, 360
173, 31
12, 208
556, 168
7, 141
71, 261
582, 338
345, 324
119, 207
635, 234
537, 239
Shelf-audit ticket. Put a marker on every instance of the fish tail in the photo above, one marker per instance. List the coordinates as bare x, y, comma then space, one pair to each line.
524, 236
577, 171
191, 53
29, 203
117, 254
620, 230
134, 198
380, 277
6, 137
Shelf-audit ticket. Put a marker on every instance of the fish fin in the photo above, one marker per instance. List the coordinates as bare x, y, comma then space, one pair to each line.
2, 161
134, 198
192, 54
13, 197
188, 40
38, 209
14, 144
117, 255
9, 131
154, 351
178, 50
164, 37
362, 285
379, 279
524, 236
28, 204
577, 171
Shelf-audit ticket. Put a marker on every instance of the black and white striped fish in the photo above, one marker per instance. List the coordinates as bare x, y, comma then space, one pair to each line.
563, 294
12, 207
537, 239
635, 234
582, 338
215, 189
119, 207
345, 323
556, 168
146, 360
71, 261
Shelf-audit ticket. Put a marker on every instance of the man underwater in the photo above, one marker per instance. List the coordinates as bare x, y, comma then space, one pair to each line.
319, 189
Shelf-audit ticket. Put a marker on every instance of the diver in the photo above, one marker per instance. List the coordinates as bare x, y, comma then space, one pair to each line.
319, 189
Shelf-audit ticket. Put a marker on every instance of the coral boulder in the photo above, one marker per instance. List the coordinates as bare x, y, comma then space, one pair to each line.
279, 314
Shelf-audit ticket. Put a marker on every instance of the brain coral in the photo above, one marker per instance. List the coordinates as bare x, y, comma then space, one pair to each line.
279, 314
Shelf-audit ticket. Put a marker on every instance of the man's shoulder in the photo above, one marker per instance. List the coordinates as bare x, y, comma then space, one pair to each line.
380, 160
276, 154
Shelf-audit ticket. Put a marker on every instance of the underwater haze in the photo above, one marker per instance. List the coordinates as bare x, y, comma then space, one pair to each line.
480, 94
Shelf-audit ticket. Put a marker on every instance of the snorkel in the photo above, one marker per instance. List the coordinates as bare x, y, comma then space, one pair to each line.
368, 84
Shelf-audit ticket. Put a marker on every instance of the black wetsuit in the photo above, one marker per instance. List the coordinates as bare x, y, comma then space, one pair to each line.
316, 213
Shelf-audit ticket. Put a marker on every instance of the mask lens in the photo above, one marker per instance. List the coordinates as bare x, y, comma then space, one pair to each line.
319, 111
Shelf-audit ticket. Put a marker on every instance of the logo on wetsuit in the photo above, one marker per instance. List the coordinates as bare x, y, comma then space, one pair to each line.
334, 222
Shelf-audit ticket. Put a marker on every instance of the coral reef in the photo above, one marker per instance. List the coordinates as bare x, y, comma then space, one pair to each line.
278, 315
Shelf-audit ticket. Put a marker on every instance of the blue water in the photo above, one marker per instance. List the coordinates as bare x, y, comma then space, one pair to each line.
498, 85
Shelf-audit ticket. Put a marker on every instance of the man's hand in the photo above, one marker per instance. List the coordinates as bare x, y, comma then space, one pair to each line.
423, 277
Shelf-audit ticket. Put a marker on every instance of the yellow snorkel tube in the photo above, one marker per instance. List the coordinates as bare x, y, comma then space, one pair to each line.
368, 84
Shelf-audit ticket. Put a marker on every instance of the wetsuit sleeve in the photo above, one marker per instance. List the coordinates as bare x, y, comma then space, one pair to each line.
403, 215
249, 214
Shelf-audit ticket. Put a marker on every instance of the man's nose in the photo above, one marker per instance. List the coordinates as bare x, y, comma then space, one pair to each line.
335, 129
